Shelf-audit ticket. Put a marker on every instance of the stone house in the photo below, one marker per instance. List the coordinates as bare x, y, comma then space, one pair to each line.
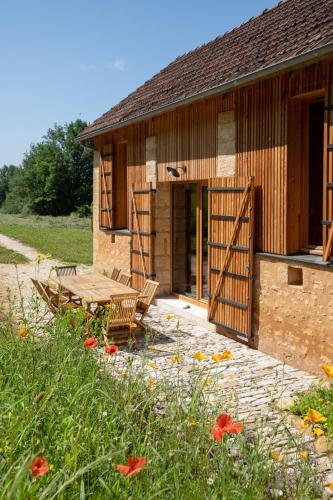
215, 178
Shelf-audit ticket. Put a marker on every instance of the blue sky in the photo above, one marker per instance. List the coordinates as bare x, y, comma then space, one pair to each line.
61, 60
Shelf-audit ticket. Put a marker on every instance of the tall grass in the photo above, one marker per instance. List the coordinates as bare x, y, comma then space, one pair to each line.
57, 401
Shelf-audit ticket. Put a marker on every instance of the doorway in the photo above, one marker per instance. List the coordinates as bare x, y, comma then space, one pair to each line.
189, 241
315, 193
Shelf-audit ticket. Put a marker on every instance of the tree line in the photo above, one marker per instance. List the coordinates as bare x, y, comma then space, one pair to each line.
55, 177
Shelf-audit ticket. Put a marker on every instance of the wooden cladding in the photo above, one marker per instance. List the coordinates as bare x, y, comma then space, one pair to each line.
142, 233
106, 189
231, 254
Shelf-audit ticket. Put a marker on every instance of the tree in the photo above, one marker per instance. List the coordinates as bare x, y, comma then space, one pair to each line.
6, 173
56, 174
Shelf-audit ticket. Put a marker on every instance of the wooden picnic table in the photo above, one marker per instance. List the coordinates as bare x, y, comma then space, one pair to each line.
93, 288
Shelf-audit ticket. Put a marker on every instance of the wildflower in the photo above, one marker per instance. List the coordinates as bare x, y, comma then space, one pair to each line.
318, 432
315, 416
152, 383
23, 333
220, 357
90, 343
225, 425
151, 347
199, 356
39, 467
276, 456
153, 366
192, 422
131, 324
175, 358
303, 425
328, 369
104, 414
210, 481
170, 317
42, 256
134, 466
330, 486
111, 349
303, 455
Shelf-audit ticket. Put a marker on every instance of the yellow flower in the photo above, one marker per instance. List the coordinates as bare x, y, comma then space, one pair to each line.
315, 416
170, 317
276, 456
42, 256
121, 372
328, 369
151, 347
303, 425
132, 325
152, 383
318, 432
303, 455
330, 486
153, 366
192, 422
199, 356
220, 357
23, 333
175, 358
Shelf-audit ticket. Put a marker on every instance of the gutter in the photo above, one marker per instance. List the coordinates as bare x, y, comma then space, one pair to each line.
224, 87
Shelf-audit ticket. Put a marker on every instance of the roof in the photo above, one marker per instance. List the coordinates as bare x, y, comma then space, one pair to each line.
279, 34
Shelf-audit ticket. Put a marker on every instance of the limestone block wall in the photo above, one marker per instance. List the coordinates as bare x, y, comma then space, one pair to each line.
163, 228
109, 250
293, 312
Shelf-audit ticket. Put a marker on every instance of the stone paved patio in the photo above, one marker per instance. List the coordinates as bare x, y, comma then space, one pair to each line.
252, 385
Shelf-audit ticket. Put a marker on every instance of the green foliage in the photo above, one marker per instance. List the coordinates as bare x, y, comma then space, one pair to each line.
66, 239
10, 257
57, 401
55, 177
319, 398
6, 173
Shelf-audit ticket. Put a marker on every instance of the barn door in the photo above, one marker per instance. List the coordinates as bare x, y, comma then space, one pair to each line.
142, 233
328, 175
106, 198
231, 254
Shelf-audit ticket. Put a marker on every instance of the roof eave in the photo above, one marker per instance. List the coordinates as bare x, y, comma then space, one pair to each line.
225, 87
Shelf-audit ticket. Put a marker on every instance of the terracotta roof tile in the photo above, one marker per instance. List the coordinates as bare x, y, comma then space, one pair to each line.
289, 29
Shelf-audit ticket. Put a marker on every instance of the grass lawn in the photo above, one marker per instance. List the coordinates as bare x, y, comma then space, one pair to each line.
10, 257
57, 402
68, 239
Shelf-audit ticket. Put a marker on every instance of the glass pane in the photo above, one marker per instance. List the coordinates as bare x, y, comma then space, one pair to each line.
184, 239
204, 250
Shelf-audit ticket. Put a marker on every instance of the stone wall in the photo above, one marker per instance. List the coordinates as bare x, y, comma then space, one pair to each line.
109, 250
293, 312
163, 229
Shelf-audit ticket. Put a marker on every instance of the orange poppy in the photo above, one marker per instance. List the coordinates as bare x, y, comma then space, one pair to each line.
90, 343
134, 466
225, 425
111, 349
39, 467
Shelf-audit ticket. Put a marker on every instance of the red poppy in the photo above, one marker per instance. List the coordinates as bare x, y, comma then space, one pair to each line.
39, 467
111, 349
134, 466
90, 343
225, 425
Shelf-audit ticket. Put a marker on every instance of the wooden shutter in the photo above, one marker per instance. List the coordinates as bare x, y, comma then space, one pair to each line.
142, 233
106, 198
328, 175
231, 254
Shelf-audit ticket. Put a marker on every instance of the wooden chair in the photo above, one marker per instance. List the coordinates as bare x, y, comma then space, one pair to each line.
120, 316
115, 273
54, 300
66, 270
148, 294
124, 278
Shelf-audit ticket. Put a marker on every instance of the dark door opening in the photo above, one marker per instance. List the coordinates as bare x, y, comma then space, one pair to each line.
316, 135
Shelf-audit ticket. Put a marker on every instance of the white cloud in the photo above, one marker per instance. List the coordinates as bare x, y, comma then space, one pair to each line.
117, 65
84, 67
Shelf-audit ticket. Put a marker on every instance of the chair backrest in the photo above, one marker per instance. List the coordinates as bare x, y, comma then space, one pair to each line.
122, 310
66, 270
124, 278
115, 273
47, 294
149, 292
